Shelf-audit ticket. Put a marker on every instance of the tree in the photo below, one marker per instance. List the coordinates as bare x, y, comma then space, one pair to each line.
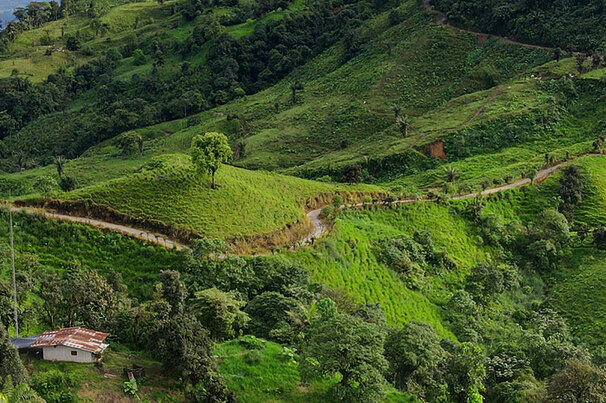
396, 108
294, 87
139, 57
59, 162
403, 123
10, 364
96, 25
209, 151
570, 190
182, 344
72, 43
577, 382
465, 372
220, 312
451, 174
352, 348
173, 290
415, 358
269, 313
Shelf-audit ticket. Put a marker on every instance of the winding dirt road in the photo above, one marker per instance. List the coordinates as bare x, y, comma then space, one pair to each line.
320, 228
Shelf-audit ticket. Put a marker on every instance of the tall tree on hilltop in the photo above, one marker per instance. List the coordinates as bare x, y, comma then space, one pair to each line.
209, 151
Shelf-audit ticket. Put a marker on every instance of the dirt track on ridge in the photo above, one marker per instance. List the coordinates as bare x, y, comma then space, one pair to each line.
319, 227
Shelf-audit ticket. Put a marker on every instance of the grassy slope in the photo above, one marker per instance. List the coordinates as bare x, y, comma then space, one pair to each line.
345, 260
246, 202
577, 287
58, 244
90, 384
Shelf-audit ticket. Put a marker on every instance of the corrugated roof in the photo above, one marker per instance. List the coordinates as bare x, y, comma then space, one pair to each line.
23, 342
73, 337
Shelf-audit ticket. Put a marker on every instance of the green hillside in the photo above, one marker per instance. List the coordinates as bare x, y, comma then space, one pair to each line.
126, 111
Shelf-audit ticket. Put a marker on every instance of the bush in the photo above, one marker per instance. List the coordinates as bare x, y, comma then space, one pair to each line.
67, 183
328, 212
54, 386
253, 357
251, 342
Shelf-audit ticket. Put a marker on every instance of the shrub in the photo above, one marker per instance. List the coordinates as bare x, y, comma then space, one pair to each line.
54, 386
67, 183
253, 357
251, 342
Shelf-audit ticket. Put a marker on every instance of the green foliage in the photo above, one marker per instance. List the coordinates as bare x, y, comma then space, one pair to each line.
415, 355
54, 386
11, 367
353, 349
579, 381
540, 23
130, 388
209, 151
220, 312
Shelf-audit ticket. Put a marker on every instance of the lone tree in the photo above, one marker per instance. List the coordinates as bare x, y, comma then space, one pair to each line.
294, 87
404, 123
209, 151
59, 162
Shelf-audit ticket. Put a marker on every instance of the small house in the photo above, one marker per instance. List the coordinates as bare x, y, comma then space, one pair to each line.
75, 344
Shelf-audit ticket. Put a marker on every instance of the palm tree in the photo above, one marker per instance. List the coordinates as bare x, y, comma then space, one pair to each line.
451, 174
139, 141
294, 87
402, 121
396, 108
59, 161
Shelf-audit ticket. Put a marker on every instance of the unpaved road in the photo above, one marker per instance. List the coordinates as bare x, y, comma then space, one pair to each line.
123, 229
320, 228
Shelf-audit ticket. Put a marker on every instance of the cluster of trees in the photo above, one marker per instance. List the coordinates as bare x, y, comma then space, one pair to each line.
234, 67
571, 25
410, 256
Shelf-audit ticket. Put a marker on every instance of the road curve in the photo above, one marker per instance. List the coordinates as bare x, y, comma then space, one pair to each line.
319, 227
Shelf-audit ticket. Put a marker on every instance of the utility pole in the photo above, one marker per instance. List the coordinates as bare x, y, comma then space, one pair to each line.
16, 307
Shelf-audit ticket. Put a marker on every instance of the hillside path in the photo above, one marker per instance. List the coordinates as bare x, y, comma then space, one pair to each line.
319, 227
442, 20
123, 229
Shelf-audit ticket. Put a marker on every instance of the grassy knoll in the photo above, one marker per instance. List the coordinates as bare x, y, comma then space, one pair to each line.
89, 383
269, 374
346, 260
246, 203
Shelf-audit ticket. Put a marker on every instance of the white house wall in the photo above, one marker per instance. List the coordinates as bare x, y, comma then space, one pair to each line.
62, 353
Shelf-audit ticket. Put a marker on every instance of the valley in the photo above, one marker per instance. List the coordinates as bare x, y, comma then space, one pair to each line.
304, 200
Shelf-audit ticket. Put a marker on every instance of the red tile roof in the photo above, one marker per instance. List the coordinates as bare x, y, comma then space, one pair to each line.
73, 337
